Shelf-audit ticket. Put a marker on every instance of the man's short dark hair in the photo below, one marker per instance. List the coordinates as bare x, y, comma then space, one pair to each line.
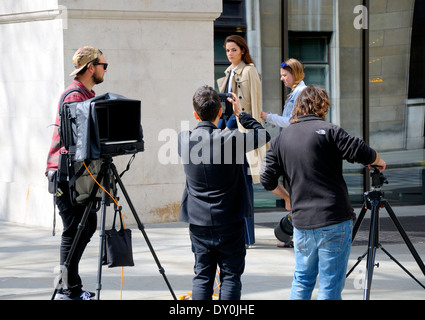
206, 103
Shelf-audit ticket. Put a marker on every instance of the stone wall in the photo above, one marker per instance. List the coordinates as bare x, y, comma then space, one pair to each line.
159, 52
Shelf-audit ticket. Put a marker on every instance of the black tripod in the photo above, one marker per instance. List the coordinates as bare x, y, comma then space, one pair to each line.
374, 200
108, 170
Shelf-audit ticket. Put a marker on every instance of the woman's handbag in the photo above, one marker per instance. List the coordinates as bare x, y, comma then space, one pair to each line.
118, 251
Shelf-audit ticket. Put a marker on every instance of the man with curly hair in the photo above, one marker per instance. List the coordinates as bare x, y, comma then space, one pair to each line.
309, 154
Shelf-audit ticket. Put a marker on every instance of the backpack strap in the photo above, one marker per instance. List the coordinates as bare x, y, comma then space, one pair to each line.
55, 195
66, 93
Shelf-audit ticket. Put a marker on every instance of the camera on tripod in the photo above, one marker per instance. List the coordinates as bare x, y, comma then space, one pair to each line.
378, 179
105, 126
226, 105
92, 131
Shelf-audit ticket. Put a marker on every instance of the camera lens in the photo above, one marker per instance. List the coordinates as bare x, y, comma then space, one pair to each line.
284, 229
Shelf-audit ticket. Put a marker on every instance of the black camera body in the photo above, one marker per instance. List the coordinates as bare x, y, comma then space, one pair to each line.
226, 105
284, 229
377, 178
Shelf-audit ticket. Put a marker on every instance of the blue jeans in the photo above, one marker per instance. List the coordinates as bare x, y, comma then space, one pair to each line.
222, 246
324, 252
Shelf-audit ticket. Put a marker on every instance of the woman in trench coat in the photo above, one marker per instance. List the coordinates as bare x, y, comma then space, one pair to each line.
242, 78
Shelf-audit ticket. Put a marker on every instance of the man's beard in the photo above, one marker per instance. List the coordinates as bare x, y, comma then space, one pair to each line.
97, 79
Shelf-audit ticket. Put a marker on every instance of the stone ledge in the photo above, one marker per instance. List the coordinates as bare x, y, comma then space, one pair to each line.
107, 14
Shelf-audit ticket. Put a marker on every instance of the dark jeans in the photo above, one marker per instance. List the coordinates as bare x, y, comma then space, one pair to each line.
249, 219
71, 218
222, 246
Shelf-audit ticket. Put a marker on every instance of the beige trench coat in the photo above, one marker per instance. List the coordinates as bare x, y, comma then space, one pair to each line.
247, 86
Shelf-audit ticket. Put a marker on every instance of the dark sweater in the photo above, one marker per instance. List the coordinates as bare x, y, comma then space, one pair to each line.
216, 192
310, 154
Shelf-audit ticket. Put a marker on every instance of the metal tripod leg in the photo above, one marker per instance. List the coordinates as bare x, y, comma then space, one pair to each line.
105, 202
355, 230
405, 237
105, 172
374, 243
80, 229
372, 246
359, 220
142, 228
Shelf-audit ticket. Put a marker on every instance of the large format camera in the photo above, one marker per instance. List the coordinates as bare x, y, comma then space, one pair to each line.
93, 131
104, 126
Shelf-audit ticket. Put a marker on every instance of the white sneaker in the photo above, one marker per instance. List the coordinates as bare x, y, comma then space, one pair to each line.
85, 295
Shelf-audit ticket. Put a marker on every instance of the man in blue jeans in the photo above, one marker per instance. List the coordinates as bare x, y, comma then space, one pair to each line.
309, 154
216, 196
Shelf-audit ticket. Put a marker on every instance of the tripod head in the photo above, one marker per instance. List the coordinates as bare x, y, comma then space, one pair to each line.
378, 179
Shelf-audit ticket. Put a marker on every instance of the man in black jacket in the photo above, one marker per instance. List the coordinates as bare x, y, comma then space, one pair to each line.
309, 154
216, 196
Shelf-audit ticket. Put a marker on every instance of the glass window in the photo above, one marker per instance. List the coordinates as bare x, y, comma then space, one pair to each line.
220, 59
397, 107
312, 49
308, 49
219, 52
317, 74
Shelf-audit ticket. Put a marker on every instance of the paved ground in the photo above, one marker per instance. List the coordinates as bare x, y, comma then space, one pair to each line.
29, 255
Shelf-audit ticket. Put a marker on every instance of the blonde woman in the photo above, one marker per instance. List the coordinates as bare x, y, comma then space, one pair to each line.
292, 75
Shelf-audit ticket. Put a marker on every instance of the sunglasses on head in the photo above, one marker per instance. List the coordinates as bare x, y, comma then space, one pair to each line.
284, 64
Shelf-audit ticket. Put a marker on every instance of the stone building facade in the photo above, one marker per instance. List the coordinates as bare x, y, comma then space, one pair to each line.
158, 52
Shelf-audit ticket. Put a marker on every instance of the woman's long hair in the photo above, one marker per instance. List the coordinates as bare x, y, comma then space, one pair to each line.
296, 69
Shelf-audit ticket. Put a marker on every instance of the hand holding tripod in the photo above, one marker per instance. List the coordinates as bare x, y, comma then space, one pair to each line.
374, 200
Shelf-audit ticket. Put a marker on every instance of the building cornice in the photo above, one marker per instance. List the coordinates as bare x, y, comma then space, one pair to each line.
106, 14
